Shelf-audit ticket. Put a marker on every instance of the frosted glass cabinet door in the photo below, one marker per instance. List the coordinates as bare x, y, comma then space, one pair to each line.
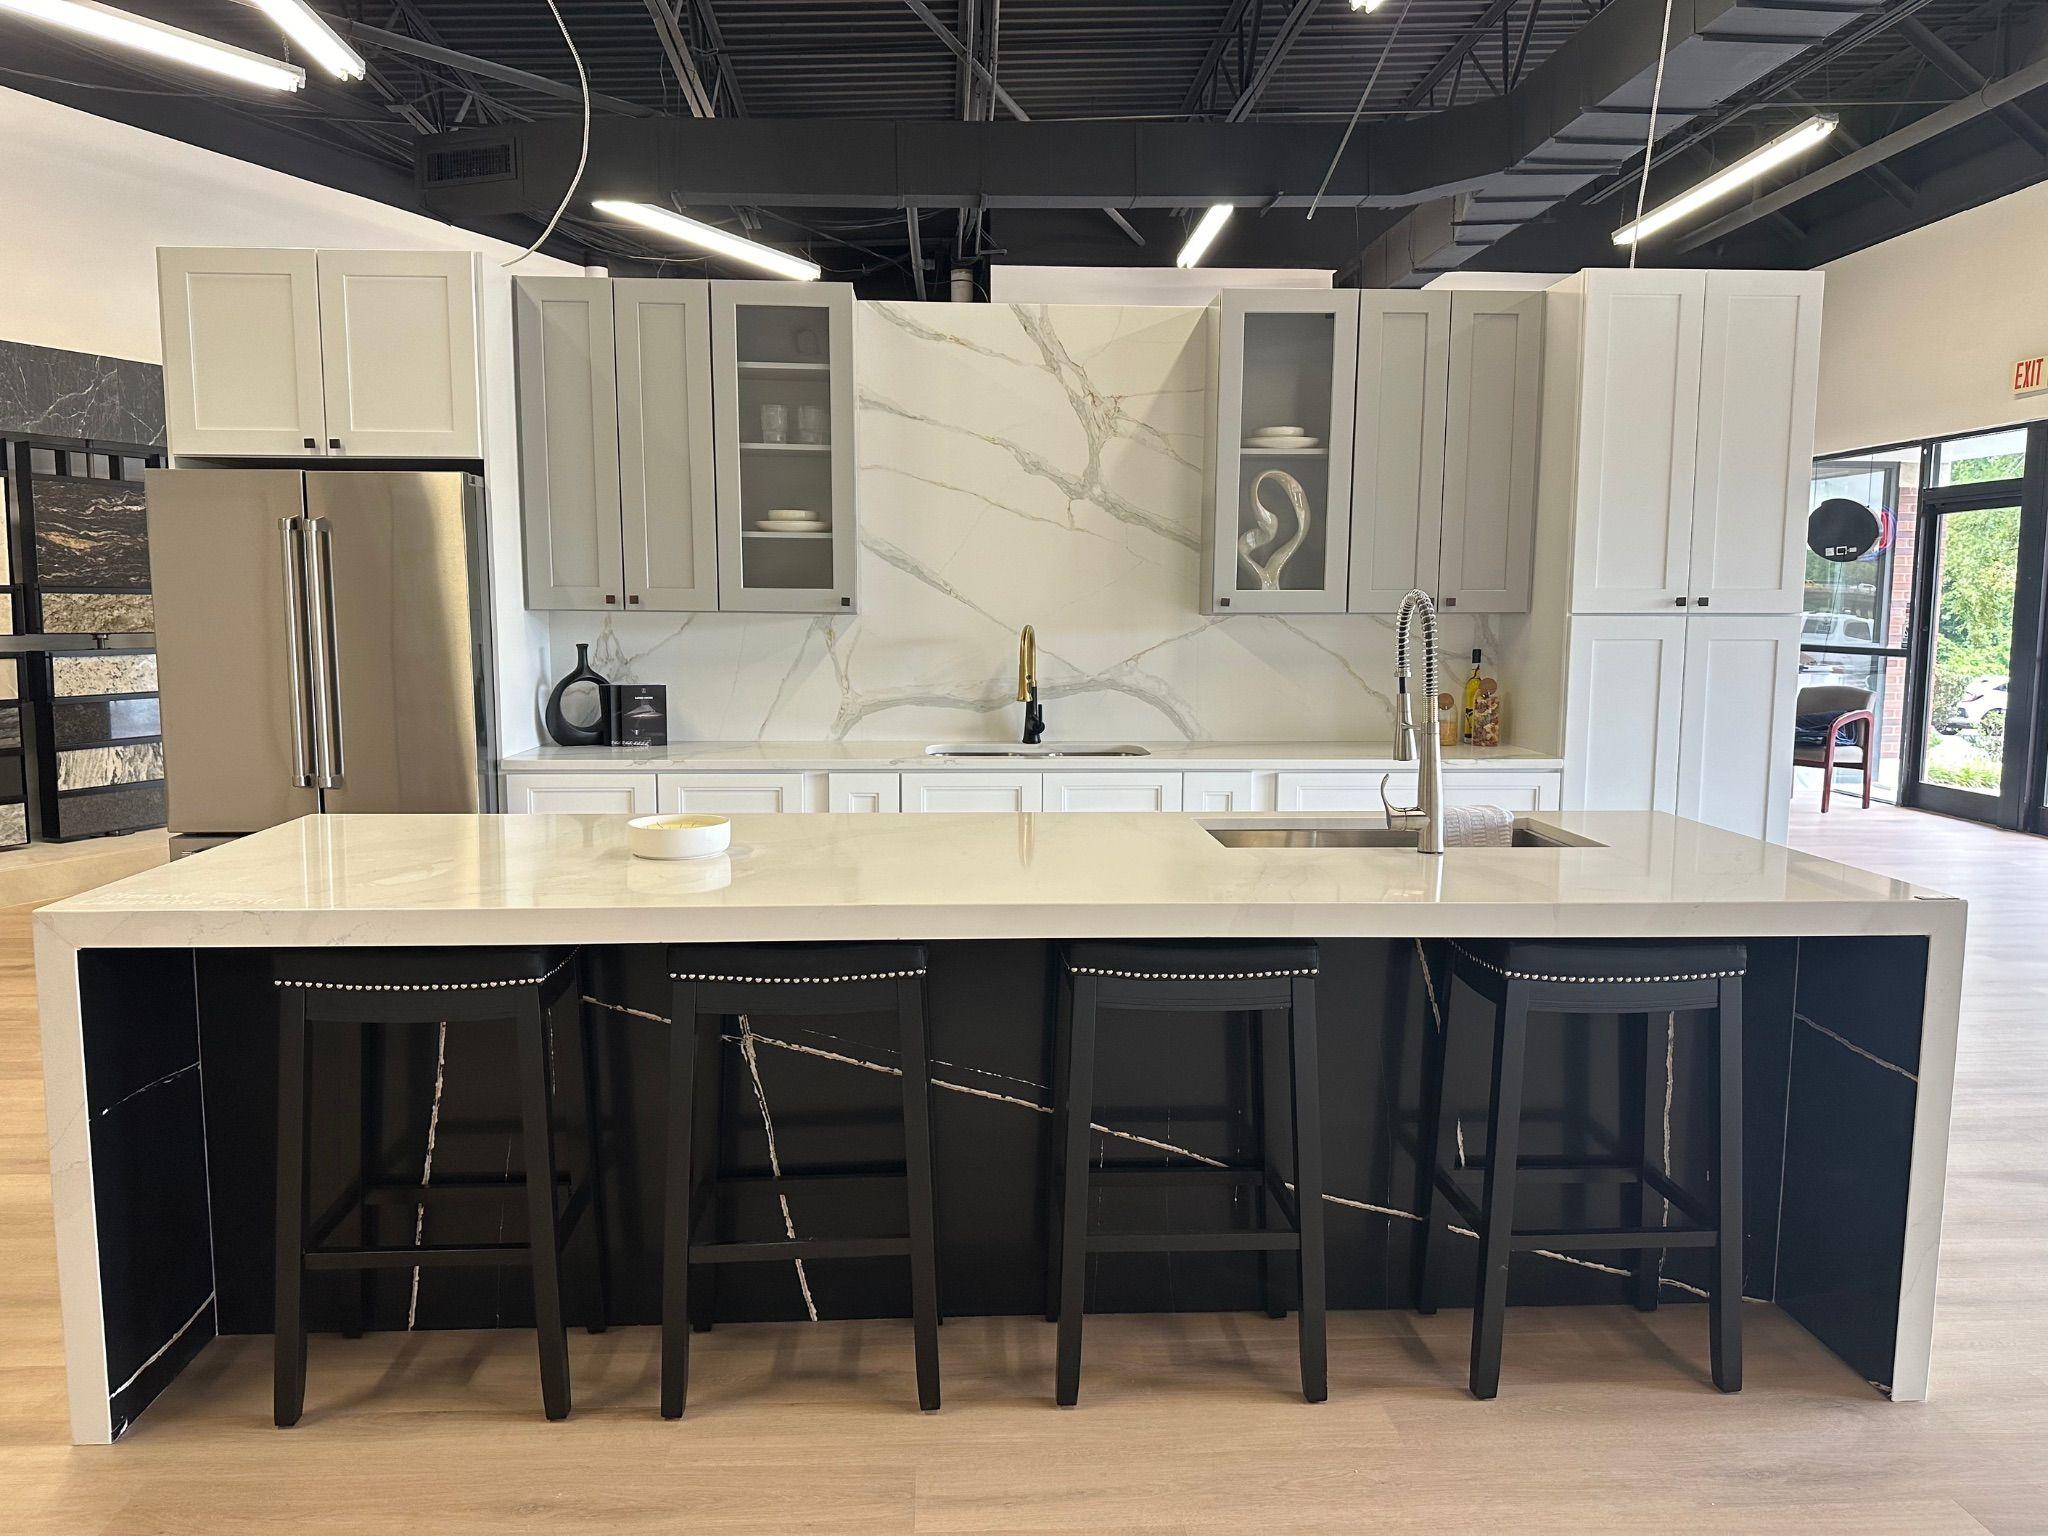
568, 441
668, 490
1285, 384
782, 364
1490, 440
398, 346
241, 335
1404, 350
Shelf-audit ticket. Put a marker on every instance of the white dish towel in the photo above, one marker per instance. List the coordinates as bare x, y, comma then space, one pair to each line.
1478, 826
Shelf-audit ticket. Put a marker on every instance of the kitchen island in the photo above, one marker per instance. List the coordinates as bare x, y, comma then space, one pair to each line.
159, 1052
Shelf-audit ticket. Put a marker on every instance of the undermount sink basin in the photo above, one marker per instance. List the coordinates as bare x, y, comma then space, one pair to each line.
1042, 749
1354, 837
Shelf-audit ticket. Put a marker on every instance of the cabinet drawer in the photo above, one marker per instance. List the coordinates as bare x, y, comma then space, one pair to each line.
863, 792
1112, 792
734, 794
973, 792
1516, 791
1339, 791
621, 794
1226, 791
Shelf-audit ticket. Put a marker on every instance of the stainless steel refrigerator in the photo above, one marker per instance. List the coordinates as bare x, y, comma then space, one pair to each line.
323, 644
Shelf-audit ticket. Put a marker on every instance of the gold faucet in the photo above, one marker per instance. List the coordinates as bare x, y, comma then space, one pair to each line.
1027, 687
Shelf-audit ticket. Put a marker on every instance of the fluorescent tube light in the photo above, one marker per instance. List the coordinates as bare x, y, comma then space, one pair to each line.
707, 238
1757, 162
1204, 236
104, 24
312, 32
1367, 5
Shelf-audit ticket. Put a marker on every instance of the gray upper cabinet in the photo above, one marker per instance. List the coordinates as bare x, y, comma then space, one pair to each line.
782, 385
668, 491
568, 442
298, 353
1404, 348
1490, 451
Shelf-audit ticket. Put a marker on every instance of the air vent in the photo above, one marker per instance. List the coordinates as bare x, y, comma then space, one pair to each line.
469, 163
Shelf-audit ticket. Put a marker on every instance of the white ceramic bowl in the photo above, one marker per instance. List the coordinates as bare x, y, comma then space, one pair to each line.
678, 835
790, 515
1279, 432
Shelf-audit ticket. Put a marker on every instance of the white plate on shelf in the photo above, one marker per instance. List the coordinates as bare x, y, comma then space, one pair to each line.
1278, 432
1296, 443
790, 515
792, 525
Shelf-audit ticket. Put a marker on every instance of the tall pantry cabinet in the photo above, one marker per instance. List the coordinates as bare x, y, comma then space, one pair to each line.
1685, 405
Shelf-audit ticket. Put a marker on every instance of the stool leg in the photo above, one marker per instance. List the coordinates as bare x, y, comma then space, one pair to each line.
1270, 1059
1077, 1097
1056, 1170
1308, 1189
1725, 1310
679, 1183
1437, 1129
703, 1166
289, 1362
593, 1167
1497, 1208
917, 1158
543, 1242
1646, 1056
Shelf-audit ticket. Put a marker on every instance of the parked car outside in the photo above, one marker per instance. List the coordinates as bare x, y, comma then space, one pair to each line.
1981, 708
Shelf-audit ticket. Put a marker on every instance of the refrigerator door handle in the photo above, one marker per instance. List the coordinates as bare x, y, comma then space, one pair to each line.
295, 647
317, 542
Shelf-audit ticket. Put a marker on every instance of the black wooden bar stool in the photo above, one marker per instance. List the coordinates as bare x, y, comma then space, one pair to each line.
712, 984
1276, 983
368, 988
1636, 980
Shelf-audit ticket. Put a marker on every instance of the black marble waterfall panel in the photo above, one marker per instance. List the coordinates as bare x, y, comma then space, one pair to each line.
149, 1178
48, 393
1853, 1087
1172, 1089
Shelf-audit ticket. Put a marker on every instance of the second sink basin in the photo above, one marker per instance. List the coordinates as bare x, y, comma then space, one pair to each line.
1353, 837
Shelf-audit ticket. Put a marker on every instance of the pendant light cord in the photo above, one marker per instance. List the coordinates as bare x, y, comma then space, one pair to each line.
1359, 110
1650, 143
582, 154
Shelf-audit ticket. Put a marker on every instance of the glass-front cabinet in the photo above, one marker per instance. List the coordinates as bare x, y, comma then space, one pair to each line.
1283, 388
782, 362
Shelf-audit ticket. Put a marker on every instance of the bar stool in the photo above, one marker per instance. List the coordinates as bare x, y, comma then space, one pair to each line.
1276, 983
1524, 978
424, 987
713, 983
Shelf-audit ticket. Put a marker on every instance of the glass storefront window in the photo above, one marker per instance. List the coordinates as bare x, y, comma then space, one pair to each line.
2000, 455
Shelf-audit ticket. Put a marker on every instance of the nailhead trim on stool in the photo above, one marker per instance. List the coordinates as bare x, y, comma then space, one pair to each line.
421, 986
1096, 970
794, 981
1588, 981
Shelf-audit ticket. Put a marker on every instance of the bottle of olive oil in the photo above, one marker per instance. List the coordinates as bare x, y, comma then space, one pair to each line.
1470, 702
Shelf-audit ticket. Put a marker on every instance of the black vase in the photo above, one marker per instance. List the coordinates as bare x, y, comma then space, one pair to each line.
565, 731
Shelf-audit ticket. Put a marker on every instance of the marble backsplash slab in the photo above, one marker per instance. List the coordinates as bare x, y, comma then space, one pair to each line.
1019, 464
48, 393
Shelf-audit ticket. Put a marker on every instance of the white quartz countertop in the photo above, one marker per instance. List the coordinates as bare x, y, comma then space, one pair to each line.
910, 756
406, 880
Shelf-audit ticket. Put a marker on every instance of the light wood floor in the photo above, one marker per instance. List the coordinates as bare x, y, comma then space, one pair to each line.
1605, 1422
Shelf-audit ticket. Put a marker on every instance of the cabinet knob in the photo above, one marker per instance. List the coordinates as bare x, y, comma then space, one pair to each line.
633, 598
611, 597
1701, 601
312, 443
334, 443
1450, 602
1680, 601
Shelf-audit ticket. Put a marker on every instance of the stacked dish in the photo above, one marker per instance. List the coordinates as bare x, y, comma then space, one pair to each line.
791, 520
1295, 438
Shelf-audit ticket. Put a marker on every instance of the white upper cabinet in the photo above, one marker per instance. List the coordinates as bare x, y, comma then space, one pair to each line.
1397, 454
398, 337
1283, 386
241, 343
290, 353
1759, 380
782, 367
568, 459
668, 490
1490, 457
1638, 429
1695, 440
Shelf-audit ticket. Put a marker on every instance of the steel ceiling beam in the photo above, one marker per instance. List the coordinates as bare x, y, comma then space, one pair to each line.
433, 53
1198, 88
959, 51
1275, 55
1965, 76
684, 67
714, 38
1455, 55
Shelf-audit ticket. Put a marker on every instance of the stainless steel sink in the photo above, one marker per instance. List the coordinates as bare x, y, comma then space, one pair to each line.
1354, 837
1042, 749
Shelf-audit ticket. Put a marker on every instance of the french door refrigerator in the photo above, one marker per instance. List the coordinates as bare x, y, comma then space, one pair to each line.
323, 644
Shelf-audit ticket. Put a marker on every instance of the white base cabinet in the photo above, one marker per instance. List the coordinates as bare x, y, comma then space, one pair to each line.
1112, 792
617, 794
1691, 714
734, 794
1000, 792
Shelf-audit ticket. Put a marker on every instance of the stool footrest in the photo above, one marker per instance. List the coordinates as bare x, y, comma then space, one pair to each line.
894, 1172
785, 1248
1600, 1238
455, 1255
1249, 1240
1136, 1176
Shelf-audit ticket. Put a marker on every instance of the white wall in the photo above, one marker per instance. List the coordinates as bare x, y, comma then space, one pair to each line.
88, 202
1922, 331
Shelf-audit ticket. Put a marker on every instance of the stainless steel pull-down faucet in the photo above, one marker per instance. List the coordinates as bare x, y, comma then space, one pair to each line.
1413, 744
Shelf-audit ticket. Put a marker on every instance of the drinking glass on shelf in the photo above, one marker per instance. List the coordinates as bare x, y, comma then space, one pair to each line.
810, 423
774, 423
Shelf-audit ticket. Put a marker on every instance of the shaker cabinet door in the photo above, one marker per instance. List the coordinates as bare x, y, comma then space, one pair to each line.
241, 343
668, 491
568, 442
1624, 701
1735, 746
398, 334
1397, 449
1490, 442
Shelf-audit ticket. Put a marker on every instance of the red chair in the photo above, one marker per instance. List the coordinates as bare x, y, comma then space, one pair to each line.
1830, 718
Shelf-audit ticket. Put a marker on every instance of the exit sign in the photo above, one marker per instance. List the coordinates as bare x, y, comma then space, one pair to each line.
2028, 376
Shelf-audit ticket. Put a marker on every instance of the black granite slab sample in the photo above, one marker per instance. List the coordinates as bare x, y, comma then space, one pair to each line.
110, 810
45, 392
90, 722
90, 533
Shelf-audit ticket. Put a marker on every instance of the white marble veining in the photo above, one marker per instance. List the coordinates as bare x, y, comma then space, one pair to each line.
1021, 464
898, 756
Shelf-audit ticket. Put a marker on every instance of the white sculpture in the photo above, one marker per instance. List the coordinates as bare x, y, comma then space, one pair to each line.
1266, 528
